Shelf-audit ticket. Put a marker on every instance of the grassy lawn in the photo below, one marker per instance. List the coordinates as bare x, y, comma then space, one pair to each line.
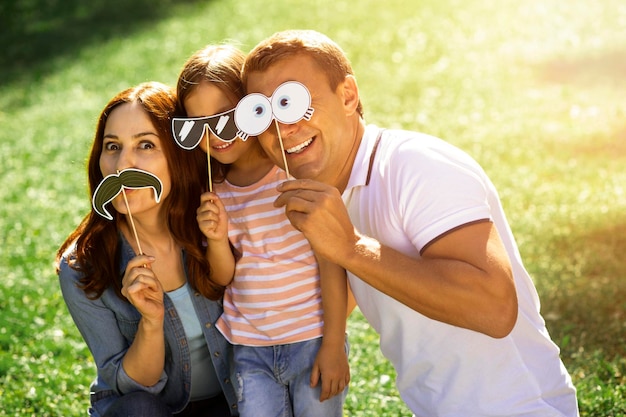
533, 90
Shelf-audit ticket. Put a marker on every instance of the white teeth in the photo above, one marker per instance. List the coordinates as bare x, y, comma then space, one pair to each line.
299, 147
224, 146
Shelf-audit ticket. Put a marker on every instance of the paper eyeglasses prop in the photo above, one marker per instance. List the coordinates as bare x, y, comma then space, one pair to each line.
253, 115
113, 184
188, 131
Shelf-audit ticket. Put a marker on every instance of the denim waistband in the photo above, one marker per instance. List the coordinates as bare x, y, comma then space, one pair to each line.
99, 395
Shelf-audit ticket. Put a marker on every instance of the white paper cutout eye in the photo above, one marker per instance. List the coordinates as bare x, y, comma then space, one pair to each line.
253, 114
291, 102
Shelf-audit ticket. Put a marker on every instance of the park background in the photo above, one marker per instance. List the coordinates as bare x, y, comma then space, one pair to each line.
534, 90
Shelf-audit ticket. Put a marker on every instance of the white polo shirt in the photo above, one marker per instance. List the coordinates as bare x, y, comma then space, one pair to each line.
419, 188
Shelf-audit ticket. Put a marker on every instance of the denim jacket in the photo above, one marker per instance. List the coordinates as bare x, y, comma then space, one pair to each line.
109, 324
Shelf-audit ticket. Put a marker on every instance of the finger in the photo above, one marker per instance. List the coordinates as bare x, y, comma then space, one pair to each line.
208, 230
326, 390
144, 297
217, 202
140, 261
315, 375
207, 224
335, 388
209, 197
305, 189
207, 207
132, 273
340, 389
136, 266
303, 184
140, 275
298, 200
298, 220
146, 286
135, 288
149, 289
213, 201
205, 216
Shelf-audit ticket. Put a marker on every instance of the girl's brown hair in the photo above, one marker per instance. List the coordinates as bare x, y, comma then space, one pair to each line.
215, 64
97, 251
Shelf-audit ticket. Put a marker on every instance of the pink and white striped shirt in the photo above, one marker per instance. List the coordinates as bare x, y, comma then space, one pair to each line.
275, 296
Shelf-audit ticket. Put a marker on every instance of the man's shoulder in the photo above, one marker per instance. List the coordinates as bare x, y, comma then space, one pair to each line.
418, 147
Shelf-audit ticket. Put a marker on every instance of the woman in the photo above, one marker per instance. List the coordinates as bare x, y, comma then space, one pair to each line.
138, 286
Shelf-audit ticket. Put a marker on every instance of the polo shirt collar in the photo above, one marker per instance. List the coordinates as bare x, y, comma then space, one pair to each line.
362, 167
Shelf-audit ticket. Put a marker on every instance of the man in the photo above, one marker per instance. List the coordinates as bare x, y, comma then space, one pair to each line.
420, 229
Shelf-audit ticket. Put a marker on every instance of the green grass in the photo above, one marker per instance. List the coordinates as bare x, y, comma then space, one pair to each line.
534, 90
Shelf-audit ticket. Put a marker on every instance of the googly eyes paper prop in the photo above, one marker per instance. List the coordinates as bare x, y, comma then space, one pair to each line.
113, 184
188, 131
290, 103
253, 114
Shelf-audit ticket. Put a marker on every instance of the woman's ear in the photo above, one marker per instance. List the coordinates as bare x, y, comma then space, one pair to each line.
350, 92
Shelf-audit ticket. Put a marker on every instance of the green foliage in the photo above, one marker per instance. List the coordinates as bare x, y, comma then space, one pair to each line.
533, 90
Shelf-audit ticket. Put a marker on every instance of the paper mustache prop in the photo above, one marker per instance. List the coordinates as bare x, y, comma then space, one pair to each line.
253, 115
114, 184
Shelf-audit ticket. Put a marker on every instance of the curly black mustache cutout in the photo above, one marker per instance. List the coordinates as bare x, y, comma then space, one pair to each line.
113, 184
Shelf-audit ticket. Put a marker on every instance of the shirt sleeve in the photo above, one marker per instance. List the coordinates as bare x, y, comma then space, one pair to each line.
98, 326
437, 188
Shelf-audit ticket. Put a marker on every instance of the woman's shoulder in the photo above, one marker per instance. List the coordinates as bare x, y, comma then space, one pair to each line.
66, 254
67, 265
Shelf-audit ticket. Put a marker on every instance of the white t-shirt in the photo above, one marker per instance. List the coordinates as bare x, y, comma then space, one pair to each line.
421, 187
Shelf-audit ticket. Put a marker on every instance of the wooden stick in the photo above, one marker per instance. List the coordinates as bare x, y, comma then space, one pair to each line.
282, 148
130, 216
208, 158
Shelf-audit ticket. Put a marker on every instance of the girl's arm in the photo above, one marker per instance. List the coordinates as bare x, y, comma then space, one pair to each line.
351, 301
213, 222
331, 363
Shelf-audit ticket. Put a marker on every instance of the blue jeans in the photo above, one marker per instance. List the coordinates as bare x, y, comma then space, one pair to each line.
274, 381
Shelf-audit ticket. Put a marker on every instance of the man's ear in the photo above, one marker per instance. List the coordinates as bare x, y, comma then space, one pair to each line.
350, 92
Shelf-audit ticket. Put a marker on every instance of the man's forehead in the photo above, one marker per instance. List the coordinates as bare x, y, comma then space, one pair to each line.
288, 68
266, 81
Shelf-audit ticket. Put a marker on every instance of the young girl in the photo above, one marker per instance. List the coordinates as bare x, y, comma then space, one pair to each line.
287, 327
147, 318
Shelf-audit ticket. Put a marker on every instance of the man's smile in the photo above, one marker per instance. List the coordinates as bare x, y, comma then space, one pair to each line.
299, 148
